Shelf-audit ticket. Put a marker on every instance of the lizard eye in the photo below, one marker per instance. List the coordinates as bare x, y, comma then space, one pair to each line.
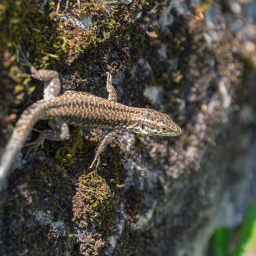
143, 127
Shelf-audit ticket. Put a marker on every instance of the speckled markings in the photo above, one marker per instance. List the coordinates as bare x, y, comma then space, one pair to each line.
80, 109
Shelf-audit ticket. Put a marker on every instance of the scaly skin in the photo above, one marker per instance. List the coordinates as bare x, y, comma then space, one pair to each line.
80, 109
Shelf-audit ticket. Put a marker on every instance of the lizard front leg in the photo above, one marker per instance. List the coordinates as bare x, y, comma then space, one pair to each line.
108, 134
101, 146
110, 88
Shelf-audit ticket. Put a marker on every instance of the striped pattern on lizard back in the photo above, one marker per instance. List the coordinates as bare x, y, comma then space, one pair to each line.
80, 109
86, 110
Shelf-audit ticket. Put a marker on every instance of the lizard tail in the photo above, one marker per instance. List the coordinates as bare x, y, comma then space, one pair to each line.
19, 135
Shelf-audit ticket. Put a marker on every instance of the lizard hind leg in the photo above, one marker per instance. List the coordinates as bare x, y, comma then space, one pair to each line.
59, 133
33, 146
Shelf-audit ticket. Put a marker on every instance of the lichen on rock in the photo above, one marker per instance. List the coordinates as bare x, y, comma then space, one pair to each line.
150, 195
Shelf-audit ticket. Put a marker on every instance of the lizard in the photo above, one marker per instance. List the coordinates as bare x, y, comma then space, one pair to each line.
80, 109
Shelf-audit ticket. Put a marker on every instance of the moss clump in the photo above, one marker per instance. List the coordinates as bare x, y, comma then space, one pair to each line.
87, 202
66, 154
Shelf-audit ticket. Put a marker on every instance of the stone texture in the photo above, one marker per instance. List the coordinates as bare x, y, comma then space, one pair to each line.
152, 195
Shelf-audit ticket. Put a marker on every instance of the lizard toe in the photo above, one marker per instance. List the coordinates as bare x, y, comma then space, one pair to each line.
97, 158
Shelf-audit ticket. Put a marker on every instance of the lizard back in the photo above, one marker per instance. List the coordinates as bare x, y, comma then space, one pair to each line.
84, 109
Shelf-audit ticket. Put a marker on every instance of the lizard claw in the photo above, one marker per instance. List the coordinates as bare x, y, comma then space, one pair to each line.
23, 59
33, 146
24, 62
97, 158
36, 130
106, 74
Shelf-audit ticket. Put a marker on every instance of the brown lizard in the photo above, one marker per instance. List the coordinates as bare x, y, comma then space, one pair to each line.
79, 109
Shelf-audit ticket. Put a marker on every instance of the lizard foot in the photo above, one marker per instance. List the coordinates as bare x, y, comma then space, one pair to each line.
33, 146
101, 146
24, 61
96, 158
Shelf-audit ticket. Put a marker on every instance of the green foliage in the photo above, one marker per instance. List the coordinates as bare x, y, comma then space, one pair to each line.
248, 232
226, 242
219, 242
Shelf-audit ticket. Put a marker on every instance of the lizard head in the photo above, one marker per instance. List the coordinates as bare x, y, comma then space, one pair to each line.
156, 123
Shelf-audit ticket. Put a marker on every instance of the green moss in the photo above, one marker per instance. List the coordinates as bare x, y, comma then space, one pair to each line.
77, 196
66, 153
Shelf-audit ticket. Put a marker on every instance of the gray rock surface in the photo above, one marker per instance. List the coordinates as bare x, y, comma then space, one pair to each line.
151, 195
